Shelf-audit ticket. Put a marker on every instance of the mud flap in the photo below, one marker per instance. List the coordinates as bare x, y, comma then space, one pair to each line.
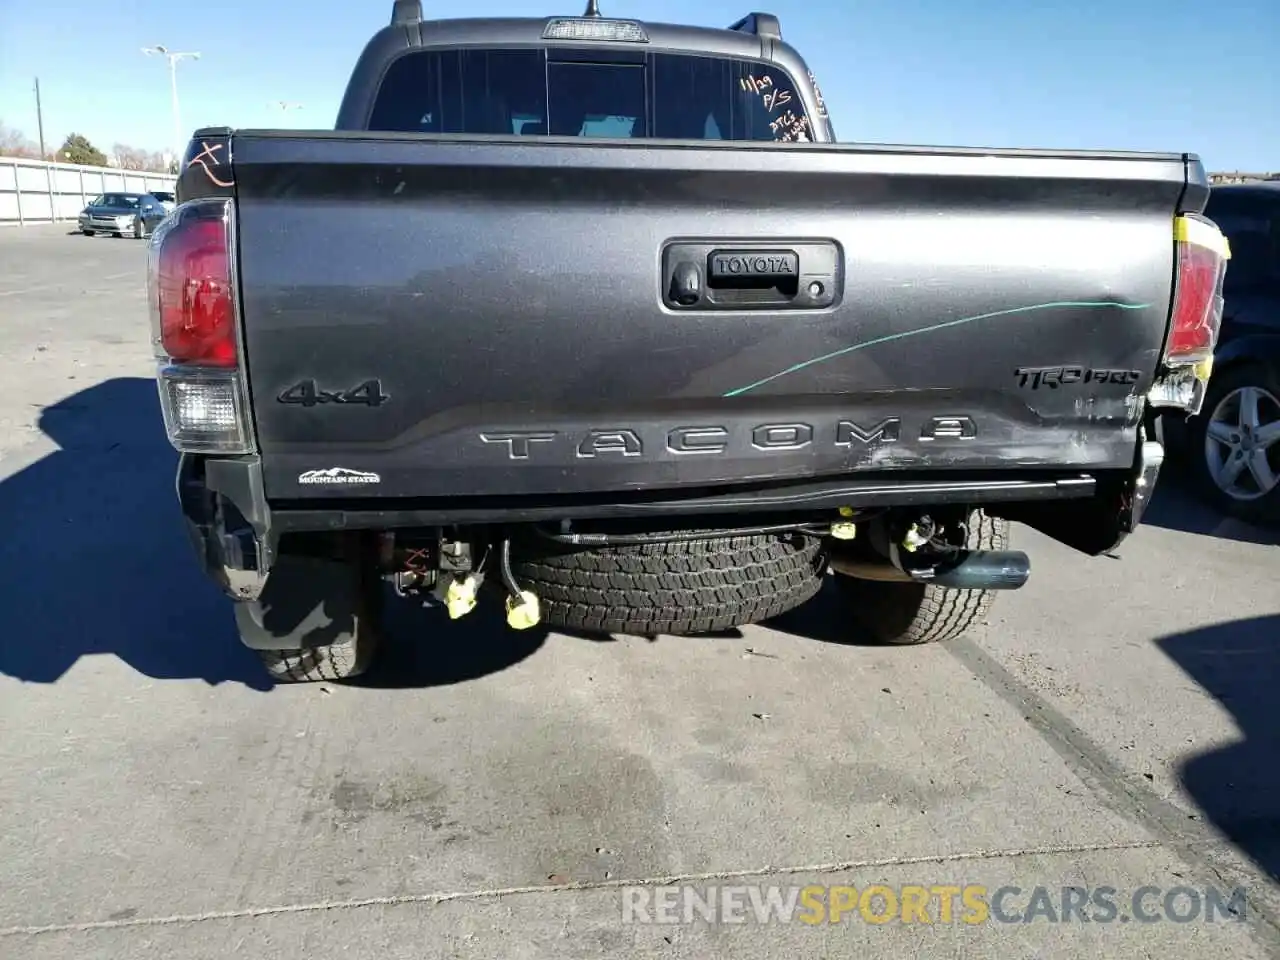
306, 602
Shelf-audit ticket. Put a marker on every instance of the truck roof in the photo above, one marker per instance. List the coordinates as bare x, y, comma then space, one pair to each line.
756, 36
534, 30
754, 29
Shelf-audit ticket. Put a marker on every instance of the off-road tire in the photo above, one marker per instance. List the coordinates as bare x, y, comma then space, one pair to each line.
903, 614
334, 661
674, 587
316, 620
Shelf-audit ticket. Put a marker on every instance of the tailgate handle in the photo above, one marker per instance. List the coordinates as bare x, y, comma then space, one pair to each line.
752, 275
754, 270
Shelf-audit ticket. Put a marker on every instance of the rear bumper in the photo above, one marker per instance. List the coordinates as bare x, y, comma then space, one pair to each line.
808, 496
893, 439
235, 532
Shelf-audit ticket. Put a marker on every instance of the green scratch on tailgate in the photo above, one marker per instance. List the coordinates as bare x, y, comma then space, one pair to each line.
1078, 304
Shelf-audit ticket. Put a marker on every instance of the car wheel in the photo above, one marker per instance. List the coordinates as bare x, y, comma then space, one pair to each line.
1236, 443
905, 614
87, 233
317, 619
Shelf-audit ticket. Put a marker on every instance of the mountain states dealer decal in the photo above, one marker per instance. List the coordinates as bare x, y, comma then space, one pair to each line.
338, 475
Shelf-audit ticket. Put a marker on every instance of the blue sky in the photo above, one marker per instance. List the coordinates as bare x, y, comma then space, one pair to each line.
1124, 74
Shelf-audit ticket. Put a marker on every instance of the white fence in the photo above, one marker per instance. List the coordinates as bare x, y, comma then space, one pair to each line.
32, 191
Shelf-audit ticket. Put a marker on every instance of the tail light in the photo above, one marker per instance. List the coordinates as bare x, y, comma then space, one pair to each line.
195, 329
1202, 253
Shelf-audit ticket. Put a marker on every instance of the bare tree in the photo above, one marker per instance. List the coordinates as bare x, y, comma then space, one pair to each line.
130, 158
14, 143
136, 158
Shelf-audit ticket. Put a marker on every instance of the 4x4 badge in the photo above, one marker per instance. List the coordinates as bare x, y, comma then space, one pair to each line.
305, 393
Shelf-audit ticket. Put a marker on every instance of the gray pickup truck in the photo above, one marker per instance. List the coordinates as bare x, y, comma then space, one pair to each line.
596, 316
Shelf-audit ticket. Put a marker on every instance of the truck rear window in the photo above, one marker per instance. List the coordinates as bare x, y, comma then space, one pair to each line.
540, 92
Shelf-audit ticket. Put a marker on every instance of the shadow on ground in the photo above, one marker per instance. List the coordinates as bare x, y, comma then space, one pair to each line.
828, 618
425, 649
1177, 506
95, 556
1238, 786
422, 647
96, 561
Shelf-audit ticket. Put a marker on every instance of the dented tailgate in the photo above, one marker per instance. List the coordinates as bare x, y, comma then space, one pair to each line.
457, 317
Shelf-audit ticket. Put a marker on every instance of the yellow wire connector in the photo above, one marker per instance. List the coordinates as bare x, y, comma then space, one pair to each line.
914, 539
460, 599
846, 511
523, 611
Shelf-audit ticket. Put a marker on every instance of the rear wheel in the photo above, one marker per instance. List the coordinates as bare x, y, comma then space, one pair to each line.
317, 619
904, 614
673, 586
87, 233
332, 661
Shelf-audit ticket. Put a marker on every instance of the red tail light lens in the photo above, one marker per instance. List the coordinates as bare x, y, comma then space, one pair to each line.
192, 289
1202, 253
193, 330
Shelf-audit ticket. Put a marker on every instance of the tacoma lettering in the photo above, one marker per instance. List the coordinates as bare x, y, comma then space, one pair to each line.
781, 436
518, 441
698, 440
949, 428
888, 430
623, 442
724, 440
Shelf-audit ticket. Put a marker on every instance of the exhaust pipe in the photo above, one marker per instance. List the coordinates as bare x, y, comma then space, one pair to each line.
974, 570
981, 570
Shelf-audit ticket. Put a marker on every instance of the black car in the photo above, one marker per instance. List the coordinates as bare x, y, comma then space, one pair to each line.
167, 199
122, 214
1234, 442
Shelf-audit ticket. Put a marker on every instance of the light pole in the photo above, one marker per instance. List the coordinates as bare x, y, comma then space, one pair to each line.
40, 119
173, 56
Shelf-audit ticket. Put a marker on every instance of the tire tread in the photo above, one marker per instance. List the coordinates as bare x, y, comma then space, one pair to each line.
907, 614
335, 661
673, 587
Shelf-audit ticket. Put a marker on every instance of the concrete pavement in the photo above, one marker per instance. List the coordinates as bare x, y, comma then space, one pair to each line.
489, 794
